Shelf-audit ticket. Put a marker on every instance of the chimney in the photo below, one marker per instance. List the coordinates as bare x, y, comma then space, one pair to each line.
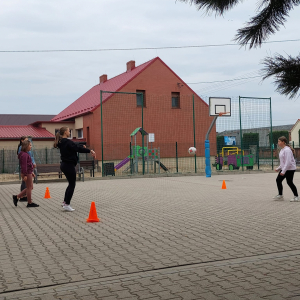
130, 65
103, 78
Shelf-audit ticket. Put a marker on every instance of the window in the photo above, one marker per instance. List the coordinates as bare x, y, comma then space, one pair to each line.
88, 136
175, 100
56, 131
140, 98
80, 133
71, 134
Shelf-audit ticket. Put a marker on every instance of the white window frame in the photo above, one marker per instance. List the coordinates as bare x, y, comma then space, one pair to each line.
71, 134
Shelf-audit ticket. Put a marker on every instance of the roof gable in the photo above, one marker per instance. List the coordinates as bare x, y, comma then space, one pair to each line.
91, 99
139, 129
295, 124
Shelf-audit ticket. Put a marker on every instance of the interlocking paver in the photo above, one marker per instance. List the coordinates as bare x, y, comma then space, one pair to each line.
235, 242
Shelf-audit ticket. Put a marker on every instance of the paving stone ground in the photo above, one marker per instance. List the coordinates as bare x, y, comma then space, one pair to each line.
159, 238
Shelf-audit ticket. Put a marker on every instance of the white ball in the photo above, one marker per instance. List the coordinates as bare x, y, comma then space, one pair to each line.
192, 150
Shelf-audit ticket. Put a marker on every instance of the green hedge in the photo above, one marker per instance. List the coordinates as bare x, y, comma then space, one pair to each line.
220, 143
250, 139
278, 134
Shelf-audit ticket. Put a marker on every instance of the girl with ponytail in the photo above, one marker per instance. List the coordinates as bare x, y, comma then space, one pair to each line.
286, 169
59, 136
26, 173
22, 139
68, 154
23, 184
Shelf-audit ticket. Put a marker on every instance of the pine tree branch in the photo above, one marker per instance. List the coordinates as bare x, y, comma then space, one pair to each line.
286, 72
217, 6
266, 22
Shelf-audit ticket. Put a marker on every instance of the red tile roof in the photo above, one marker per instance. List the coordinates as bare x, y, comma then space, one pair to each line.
91, 99
12, 132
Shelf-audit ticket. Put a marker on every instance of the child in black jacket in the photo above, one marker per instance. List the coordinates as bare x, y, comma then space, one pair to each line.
68, 152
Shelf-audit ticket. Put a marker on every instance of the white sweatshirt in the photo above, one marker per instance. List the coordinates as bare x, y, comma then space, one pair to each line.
287, 160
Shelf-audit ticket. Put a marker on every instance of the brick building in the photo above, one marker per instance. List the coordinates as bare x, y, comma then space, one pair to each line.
167, 112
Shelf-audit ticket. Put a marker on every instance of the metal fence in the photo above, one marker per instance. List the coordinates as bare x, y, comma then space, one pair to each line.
135, 141
245, 140
9, 162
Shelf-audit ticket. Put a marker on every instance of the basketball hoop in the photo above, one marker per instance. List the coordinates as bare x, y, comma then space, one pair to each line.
218, 107
223, 113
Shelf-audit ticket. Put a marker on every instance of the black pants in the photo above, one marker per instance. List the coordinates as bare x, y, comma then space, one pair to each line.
70, 172
289, 175
23, 186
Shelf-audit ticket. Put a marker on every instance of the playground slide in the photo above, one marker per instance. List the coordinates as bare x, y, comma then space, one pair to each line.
122, 163
162, 166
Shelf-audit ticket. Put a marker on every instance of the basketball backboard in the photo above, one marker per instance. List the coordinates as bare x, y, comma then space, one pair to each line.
219, 105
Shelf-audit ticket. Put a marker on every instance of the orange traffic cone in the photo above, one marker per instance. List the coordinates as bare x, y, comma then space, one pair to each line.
47, 193
224, 185
93, 214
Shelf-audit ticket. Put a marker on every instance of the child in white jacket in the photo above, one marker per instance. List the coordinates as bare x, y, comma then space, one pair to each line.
286, 169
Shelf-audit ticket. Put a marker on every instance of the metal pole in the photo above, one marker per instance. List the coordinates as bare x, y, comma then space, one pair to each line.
147, 154
194, 133
176, 158
271, 133
210, 127
143, 142
152, 158
3, 161
241, 135
207, 148
46, 156
136, 156
258, 157
101, 133
159, 160
130, 156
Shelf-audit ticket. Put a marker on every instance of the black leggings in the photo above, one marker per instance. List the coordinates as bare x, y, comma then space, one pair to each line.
289, 175
70, 172
23, 186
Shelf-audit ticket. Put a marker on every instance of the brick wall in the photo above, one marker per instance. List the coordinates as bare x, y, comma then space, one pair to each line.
121, 116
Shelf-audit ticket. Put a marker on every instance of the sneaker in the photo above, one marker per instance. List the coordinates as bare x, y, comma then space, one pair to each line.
32, 205
24, 199
295, 199
63, 204
278, 198
68, 208
15, 199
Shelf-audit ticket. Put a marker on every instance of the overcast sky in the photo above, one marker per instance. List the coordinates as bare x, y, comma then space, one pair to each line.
47, 82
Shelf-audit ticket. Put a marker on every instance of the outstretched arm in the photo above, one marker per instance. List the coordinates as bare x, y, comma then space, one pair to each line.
81, 149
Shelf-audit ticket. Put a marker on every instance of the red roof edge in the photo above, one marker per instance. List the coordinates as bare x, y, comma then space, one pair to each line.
151, 61
49, 122
34, 138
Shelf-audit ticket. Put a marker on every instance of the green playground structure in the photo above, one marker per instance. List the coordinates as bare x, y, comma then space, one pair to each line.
144, 154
